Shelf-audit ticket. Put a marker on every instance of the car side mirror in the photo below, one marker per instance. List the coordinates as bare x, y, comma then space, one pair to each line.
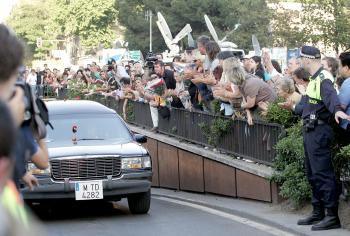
140, 138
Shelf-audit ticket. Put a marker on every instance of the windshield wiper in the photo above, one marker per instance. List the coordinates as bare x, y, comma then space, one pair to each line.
85, 139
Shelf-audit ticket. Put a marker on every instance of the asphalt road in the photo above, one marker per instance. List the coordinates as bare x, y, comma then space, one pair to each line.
166, 217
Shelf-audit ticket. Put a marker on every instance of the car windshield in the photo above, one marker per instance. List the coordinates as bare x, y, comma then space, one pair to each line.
87, 127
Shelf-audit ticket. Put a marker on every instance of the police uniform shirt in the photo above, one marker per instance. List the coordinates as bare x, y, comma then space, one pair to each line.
322, 96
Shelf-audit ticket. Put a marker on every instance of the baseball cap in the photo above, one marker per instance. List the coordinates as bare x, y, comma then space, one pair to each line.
310, 52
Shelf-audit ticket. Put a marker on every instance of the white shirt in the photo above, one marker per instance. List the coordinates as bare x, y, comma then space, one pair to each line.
121, 72
31, 79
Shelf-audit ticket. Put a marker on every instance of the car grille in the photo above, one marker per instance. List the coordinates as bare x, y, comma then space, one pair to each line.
85, 168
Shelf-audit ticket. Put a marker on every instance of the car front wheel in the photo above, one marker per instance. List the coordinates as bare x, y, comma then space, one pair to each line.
140, 203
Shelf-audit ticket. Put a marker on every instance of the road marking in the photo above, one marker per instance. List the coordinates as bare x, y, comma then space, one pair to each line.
239, 219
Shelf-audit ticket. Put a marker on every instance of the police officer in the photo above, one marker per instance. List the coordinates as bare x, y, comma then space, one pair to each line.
321, 106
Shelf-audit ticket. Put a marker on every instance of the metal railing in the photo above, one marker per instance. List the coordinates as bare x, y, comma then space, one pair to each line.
255, 143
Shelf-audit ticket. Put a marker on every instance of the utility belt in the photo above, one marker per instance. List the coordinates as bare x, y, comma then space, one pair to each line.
310, 123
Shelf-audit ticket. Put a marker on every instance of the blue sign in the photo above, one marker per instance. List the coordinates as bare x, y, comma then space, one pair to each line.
293, 52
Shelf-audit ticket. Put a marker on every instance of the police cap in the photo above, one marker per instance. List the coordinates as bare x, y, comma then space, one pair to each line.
310, 52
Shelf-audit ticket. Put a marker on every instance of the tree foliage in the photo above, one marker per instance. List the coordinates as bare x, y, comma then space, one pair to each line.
253, 15
327, 21
93, 22
319, 21
30, 21
287, 27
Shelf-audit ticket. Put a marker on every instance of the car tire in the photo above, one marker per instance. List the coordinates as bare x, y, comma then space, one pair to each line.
140, 203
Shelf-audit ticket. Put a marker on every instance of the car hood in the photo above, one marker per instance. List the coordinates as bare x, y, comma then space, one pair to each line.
87, 148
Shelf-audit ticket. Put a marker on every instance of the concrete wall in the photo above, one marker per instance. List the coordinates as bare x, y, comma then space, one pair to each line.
180, 169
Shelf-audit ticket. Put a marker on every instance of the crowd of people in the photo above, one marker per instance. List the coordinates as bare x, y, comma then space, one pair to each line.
194, 81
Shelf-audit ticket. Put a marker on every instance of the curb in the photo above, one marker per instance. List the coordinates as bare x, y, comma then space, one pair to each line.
235, 212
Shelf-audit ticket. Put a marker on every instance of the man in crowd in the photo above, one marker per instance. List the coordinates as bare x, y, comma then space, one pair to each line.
39, 81
321, 107
293, 64
344, 95
202, 41
32, 79
167, 75
246, 63
170, 82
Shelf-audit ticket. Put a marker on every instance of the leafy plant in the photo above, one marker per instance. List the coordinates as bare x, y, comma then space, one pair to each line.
276, 114
50, 92
216, 130
295, 186
76, 89
130, 115
289, 167
341, 163
173, 130
216, 105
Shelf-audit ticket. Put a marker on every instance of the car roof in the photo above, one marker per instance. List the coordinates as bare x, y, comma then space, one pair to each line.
77, 107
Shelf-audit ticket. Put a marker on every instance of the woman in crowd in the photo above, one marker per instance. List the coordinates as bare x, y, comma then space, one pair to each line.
286, 90
331, 64
257, 68
138, 70
81, 77
252, 89
273, 72
205, 81
181, 92
224, 91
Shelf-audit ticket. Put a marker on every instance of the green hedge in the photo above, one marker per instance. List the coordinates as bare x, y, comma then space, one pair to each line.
289, 162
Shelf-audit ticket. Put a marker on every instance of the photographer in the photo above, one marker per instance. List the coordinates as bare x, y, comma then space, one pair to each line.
14, 219
11, 52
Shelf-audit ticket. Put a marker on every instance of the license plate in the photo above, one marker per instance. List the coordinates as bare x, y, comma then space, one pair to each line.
88, 190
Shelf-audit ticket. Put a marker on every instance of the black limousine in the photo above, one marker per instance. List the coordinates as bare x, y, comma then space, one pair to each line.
93, 155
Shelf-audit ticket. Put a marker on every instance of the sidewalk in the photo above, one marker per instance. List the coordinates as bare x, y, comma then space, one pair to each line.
264, 213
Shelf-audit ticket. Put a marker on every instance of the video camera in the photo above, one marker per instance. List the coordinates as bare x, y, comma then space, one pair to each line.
36, 114
150, 60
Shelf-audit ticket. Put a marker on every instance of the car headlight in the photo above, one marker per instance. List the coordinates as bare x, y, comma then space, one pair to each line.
36, 171
136, 162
